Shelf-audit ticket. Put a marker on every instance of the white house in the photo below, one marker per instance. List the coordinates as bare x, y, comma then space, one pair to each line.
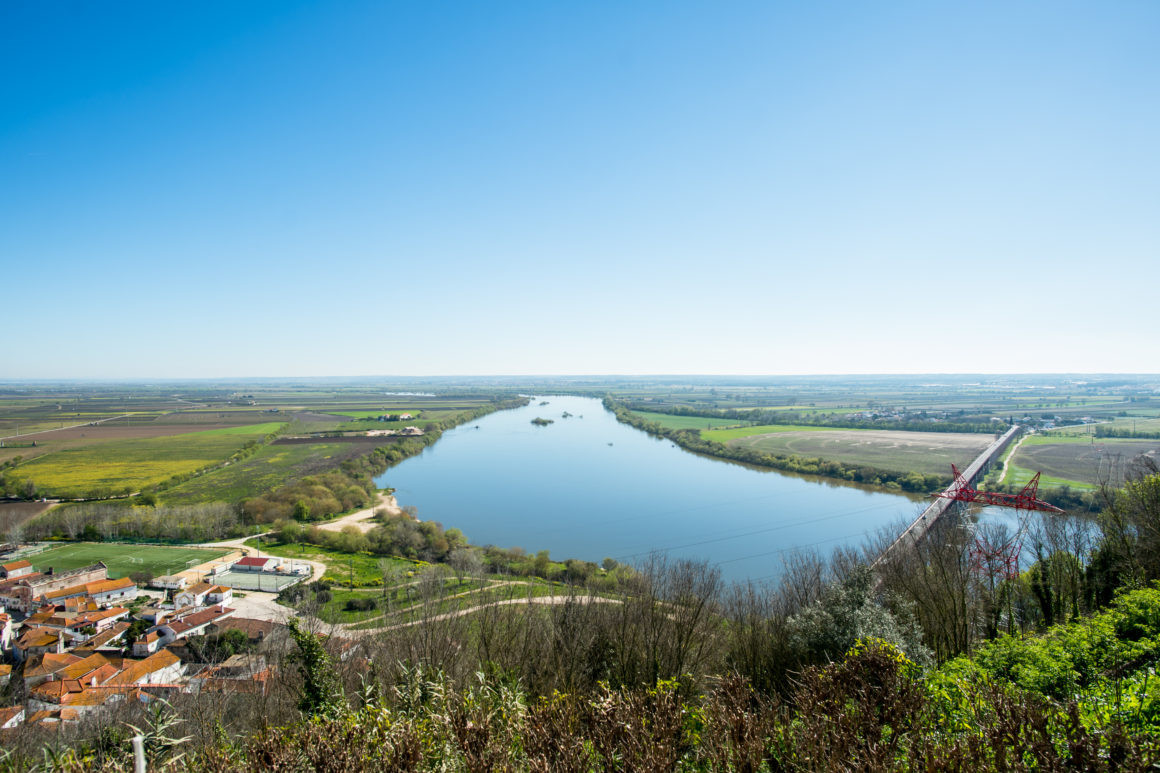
15, 569
170, 582
194, 595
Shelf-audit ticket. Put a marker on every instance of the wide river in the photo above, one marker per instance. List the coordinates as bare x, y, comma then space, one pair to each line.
589, 487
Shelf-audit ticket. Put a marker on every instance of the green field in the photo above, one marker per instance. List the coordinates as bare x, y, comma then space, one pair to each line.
267, 469
136, 463
122, 559
725, 435
363, 569
457, 597
899, 451
1079, 462
1120, 423
375, 414
686, 422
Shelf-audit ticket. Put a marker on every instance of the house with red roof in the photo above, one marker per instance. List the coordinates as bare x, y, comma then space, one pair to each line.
256, 564
16, 569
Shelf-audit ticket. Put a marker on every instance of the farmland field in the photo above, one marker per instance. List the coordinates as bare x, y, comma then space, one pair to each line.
124, 560
136, 463
16, 513
925, 452
687, 422
1076, 461
725, 435
1122, 423
363, 568
269, 468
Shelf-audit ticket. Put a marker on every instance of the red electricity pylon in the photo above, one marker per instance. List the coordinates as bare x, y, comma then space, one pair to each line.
1024, 500
1003, 557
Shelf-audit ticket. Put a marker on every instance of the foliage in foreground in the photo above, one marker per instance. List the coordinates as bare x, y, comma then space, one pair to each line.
872, 710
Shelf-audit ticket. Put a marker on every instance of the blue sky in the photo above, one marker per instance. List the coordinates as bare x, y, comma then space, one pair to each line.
279, 188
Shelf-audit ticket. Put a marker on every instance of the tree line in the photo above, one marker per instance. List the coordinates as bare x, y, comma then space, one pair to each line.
809, 418
692, 440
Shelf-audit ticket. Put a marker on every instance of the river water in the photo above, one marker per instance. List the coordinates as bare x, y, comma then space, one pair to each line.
589, 487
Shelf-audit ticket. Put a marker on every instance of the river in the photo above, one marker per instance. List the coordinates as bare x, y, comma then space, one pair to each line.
589, 487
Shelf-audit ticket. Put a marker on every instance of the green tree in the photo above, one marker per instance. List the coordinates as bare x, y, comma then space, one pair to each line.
321, 694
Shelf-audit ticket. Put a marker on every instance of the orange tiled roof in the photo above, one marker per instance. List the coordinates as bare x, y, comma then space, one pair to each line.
57, 690
101, 639
199, 588
83, 667
95, 696
48, 663
37, 637
12, 567
62, 715
91, 588
137, 670
104, 586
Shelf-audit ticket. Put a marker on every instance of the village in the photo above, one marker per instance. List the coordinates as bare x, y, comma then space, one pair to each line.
76, 641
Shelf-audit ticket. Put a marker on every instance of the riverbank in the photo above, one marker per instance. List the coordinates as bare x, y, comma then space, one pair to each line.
893, 481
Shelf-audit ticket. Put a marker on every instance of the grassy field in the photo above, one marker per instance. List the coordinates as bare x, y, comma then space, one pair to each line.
375, 414
459, 597
425, 418
123, 560
925, 452
1128, 423
725, 435
268, 468
363, 569
1076, 461
137, 463
686, 422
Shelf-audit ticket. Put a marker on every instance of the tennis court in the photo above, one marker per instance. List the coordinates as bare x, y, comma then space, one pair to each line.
257, 580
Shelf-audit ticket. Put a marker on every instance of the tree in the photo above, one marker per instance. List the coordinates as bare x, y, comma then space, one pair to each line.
465, 561
321, 694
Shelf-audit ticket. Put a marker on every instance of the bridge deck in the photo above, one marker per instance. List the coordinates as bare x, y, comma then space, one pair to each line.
929, 517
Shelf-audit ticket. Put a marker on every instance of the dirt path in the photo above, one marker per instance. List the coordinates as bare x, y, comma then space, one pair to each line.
541, 600
361, 519
71, 426
256, 604
1008, 457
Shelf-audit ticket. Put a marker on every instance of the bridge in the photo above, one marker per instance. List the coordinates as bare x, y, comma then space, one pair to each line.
946, 500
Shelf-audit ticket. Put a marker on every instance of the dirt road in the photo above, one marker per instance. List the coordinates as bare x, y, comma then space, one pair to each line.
361, 519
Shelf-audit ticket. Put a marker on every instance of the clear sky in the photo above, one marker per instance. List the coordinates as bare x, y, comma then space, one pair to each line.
423, 188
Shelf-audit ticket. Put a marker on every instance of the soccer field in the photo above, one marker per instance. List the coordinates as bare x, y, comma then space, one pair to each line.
123, 559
